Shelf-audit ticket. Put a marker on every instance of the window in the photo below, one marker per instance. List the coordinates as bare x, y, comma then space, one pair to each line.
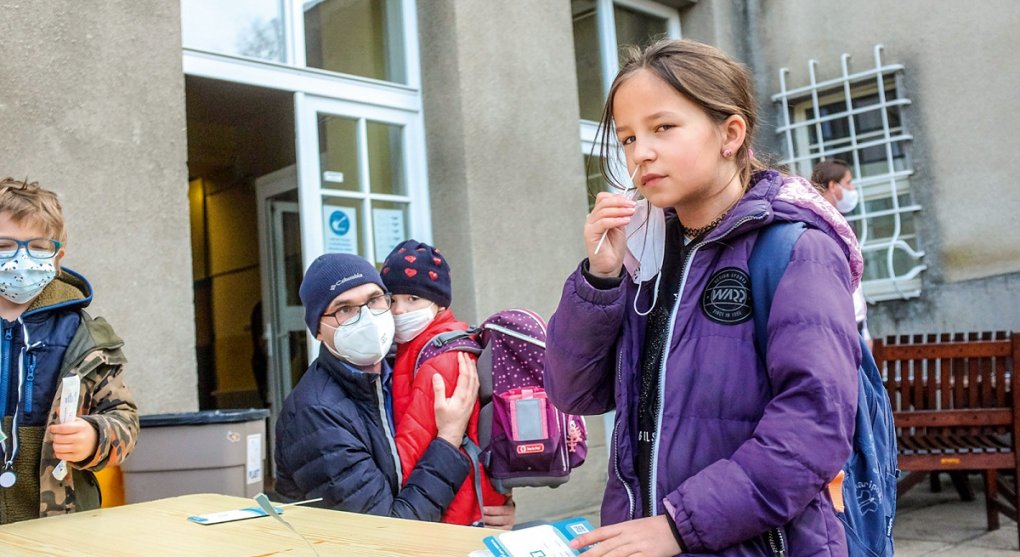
859, 118
252, 29
363, 38
602, 29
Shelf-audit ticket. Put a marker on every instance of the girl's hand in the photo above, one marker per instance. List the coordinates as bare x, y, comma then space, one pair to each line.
644, 537
612, 212
452, 414
74, 441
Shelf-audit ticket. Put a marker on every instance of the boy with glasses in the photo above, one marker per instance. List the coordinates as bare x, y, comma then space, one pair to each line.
66, 409
334, 436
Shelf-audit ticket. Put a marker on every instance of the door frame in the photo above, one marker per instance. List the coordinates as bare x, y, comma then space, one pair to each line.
267, 187
307, 109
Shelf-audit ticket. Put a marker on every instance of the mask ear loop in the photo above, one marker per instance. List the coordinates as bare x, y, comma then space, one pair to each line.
655, 296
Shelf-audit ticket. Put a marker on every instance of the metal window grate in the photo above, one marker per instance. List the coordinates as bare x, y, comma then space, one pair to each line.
858, 117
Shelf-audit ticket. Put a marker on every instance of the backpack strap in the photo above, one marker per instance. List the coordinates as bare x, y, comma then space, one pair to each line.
474, 453
769, 259
444, 342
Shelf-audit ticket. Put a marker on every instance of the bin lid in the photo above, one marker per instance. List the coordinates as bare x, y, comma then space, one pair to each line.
205, 417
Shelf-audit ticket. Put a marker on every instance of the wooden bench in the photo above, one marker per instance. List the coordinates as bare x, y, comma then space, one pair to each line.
954, 409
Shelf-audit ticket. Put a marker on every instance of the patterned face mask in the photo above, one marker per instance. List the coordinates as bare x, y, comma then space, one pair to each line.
22, 278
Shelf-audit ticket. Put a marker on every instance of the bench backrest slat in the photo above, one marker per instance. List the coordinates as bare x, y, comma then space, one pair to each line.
962, 382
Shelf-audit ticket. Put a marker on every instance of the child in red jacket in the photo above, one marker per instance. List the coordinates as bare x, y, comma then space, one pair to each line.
418, 277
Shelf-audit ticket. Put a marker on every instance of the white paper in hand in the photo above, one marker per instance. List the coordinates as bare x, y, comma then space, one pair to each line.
71, 388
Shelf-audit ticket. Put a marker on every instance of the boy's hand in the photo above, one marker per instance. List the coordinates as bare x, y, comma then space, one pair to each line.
74, 441
452, 414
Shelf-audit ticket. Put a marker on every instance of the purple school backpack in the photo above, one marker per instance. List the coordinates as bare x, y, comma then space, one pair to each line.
523, 440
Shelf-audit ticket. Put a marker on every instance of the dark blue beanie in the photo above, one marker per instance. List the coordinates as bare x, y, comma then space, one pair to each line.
418, 269
329, 276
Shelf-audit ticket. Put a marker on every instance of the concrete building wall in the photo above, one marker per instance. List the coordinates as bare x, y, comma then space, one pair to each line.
506, 176
505, 166
92, 105
960, 75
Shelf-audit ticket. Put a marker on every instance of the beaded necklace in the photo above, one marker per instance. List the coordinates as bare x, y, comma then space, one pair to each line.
698, 232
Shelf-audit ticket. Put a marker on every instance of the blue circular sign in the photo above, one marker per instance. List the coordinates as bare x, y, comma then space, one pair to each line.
339, 223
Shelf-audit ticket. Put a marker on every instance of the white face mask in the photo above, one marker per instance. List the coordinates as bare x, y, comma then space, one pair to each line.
366, 342
410, 324
22, 278
849, 201
646, 246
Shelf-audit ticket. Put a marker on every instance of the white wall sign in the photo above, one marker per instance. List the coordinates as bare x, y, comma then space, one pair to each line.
340, 227
389, 231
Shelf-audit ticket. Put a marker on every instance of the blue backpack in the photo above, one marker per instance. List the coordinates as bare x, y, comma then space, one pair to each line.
869, 484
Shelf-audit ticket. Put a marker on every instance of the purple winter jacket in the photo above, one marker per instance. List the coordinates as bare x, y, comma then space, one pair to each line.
739, 450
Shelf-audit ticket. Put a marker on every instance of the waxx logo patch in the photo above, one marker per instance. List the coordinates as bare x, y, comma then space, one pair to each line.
727, 298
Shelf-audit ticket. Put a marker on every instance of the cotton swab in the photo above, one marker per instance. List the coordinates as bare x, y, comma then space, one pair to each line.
631, 188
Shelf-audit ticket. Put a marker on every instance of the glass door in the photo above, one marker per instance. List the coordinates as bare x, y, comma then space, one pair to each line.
362, 179
281, 262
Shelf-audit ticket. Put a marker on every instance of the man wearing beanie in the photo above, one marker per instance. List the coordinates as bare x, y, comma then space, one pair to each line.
334, 437
418, 277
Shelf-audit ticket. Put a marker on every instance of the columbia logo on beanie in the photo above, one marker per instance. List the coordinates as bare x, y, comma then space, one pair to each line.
418, 269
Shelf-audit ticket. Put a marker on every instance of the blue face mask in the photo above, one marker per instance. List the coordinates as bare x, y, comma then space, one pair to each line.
23, 278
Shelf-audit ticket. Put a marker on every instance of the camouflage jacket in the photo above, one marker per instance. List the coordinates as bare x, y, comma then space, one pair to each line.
94, 355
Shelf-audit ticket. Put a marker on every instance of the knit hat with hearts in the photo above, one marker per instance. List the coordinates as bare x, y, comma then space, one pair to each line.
420, 270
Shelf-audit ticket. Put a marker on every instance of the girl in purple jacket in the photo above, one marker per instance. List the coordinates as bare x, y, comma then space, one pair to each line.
712, 448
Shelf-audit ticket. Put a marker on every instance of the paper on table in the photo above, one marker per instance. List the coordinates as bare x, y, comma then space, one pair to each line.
68, 410
548, 540
230, 516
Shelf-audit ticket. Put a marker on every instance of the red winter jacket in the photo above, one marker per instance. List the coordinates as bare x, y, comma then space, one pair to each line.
415, 417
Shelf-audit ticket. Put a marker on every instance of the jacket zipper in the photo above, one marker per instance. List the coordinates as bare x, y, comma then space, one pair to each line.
777, 542
29, 380
652, 491
5, 369
616, 442
389, 433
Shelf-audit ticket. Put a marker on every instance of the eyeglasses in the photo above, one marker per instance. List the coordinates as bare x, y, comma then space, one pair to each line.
36, 248
350, 314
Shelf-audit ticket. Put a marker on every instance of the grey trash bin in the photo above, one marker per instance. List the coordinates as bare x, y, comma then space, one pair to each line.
211, 451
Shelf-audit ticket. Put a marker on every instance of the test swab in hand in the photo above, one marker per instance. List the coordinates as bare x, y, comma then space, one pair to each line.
628, 190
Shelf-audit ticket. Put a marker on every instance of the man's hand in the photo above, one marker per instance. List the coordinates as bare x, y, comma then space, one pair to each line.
74, 441
644, 537
452, 414
501, 517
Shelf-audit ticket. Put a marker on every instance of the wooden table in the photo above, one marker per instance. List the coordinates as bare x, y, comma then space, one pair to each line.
158, 528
